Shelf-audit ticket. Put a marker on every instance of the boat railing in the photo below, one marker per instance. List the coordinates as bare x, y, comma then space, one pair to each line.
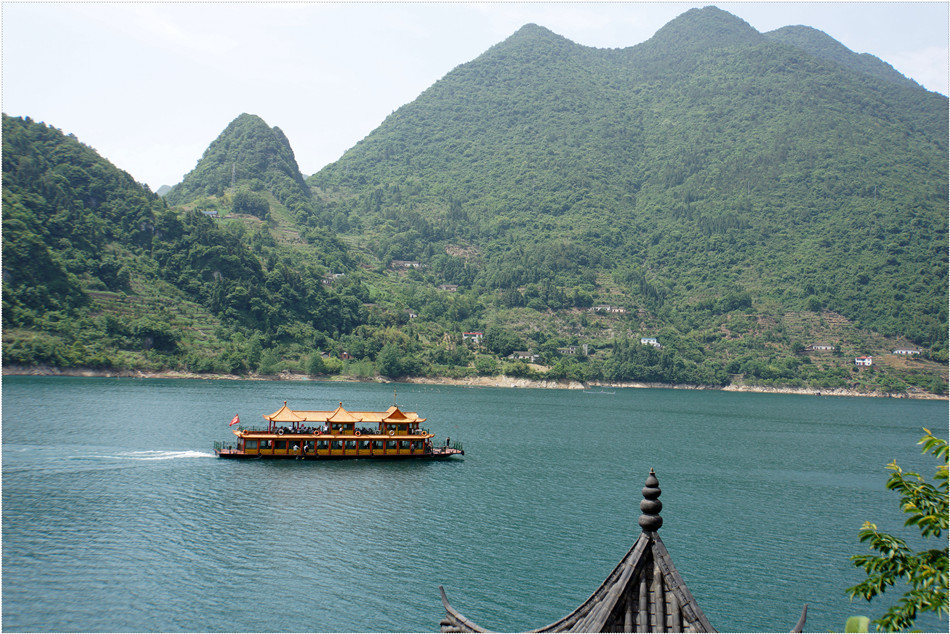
224, 446
309, 431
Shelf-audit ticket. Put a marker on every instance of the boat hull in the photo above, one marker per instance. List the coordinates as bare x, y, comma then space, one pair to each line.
441, 453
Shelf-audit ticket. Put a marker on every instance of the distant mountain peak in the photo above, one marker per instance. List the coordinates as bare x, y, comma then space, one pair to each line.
703, 28
247, 150
531, 39
821, 45
533, 29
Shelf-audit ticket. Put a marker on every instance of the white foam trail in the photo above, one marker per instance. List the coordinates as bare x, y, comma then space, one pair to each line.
165, 455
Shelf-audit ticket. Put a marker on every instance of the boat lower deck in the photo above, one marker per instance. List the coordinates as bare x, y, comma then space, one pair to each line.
437, 453
303, 447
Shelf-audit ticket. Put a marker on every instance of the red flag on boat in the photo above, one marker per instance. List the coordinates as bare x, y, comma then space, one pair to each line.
235, 420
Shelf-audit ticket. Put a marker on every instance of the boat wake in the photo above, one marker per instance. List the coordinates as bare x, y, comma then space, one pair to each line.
164, 455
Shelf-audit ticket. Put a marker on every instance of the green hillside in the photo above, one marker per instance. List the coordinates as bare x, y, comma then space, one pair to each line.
706, 164
738, 196
251, 154
250, 171
98, 272
822, 46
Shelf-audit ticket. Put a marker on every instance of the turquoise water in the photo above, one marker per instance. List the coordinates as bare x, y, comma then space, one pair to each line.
117, 516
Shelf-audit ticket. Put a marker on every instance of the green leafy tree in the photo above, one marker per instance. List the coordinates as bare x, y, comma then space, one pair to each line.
486, 366
925, 572
389, 361
500, 341
270, 362
316, 365
155, 334
245, 201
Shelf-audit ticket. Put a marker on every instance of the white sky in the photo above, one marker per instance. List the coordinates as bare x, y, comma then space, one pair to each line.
150, 85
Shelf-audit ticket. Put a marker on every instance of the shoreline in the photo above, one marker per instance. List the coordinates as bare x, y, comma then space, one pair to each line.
475, 382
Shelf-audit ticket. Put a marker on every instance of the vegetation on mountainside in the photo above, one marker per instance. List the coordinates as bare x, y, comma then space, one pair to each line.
820, 45
575, 200
81, 237
247, 151
818, 188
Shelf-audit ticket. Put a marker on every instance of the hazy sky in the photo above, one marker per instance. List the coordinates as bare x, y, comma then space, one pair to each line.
150, 85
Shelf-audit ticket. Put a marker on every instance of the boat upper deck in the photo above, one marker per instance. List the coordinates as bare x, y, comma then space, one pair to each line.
340, 415
339, 422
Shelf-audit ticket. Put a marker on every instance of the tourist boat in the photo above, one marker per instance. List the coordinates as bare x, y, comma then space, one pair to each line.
337, 434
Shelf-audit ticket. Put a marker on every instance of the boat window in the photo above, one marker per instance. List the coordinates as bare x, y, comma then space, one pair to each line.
351, 444
390, 444
323, 444
250, 444
281, 444
336, 444
404, 444
377, 444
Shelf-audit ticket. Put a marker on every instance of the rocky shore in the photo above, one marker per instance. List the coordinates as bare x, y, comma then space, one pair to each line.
478, 381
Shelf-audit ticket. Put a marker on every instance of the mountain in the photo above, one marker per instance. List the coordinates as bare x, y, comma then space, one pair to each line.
98, 272
248, 155
731, 198
62, 206
823, 46
707, 163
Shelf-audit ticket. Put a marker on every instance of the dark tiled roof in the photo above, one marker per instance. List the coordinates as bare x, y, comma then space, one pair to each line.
644, 593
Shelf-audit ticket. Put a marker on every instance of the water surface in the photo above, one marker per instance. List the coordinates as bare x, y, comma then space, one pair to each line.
117, 517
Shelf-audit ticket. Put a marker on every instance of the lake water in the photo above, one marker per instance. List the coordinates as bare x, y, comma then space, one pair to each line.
118, 517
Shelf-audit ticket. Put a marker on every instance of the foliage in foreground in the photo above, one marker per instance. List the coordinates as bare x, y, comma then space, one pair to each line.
925, 572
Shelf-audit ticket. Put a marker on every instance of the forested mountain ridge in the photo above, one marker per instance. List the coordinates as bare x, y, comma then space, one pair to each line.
251, 154
250, 169
708, 161
98, 272
821, 45
729, 193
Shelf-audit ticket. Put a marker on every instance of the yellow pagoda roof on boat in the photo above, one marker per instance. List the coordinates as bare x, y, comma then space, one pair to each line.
284, 415
341, 415
396, 415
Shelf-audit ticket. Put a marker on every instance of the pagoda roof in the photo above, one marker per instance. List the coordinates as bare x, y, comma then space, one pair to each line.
396, 415
341, 415
643, 593
284, 415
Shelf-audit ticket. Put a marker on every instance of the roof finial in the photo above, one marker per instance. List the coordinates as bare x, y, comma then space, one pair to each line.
651, 505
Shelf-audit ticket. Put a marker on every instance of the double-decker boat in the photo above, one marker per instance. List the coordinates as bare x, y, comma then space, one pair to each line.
318, 435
